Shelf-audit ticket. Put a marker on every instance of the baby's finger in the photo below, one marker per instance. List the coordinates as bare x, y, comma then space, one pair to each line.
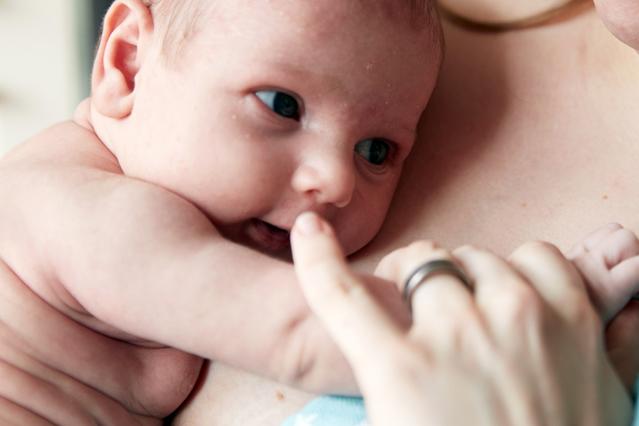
620, 245
353, 318
553, 276
611, 281
593, 239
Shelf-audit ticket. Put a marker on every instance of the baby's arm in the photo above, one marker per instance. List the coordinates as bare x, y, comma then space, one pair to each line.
147, 262
170, 277
608, 260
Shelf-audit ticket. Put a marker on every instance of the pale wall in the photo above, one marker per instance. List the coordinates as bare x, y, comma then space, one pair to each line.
42, 73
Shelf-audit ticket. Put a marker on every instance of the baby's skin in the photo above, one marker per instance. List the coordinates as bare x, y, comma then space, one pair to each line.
124, 257
131, 235
608, 261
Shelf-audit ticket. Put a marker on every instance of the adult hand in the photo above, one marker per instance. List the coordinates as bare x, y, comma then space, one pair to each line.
525, 348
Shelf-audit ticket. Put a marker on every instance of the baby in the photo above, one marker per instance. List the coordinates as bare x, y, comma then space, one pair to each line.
134, 236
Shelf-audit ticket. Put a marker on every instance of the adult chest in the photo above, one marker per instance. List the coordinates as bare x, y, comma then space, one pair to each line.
528, 136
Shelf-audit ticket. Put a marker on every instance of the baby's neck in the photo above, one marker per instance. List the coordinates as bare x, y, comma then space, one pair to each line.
87, 118
82, 115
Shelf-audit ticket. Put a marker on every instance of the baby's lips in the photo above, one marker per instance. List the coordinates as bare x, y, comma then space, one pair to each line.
267, 236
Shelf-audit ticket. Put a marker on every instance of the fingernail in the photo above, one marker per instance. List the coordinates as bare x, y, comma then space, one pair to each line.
308, 223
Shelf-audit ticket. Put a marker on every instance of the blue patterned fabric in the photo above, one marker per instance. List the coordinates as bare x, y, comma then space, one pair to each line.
330, 411
346, 411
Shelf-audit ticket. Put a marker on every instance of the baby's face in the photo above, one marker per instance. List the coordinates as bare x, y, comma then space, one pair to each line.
285, 106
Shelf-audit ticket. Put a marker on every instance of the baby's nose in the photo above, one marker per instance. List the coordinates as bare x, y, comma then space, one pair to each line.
329, 177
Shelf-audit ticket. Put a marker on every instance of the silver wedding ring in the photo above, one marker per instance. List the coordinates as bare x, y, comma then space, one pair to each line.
426, 270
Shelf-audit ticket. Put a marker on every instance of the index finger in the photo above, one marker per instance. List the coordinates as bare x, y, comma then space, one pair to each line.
553, 276
359, 326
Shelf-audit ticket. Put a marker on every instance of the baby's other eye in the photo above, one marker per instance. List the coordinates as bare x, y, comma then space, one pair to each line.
280, 103
375, 150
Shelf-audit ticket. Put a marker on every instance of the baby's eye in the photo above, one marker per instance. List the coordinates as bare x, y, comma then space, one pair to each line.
375, 151
281, 103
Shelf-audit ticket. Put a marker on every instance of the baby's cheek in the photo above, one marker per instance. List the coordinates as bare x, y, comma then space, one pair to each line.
360, 229
358, 223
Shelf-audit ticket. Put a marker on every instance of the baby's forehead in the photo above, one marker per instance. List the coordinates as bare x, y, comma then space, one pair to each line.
358, 44
316, 13
324, 27
359, 51
316, 22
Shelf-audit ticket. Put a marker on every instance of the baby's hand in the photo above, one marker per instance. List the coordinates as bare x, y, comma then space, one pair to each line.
608, 260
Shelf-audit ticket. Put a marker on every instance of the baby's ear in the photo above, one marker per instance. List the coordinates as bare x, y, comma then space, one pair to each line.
126, 38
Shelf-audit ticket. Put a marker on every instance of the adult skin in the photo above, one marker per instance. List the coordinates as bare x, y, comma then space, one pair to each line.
530, 135
523, 347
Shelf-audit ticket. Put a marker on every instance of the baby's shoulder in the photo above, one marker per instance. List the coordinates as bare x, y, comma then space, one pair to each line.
63, 145
68, 154
69, 160
66, 172
65, 179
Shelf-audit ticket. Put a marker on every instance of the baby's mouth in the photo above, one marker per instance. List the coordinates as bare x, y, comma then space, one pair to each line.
268, 236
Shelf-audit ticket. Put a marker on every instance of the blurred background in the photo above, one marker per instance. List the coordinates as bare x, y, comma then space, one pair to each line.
46, 51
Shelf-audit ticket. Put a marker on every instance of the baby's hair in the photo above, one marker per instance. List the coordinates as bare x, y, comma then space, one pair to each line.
180, 20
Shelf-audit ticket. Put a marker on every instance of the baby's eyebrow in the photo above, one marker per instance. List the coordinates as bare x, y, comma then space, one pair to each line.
396, 129
305, 74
